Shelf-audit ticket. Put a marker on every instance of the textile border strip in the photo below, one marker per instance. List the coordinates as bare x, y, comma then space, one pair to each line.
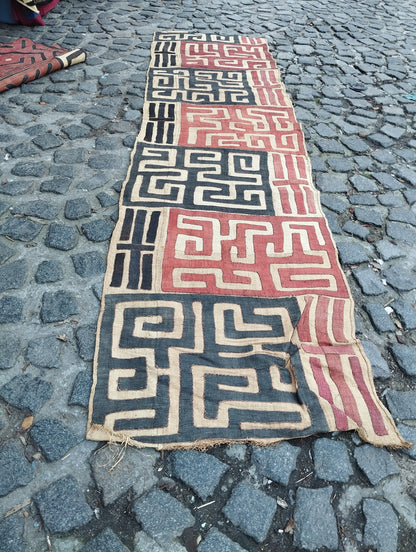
225, 314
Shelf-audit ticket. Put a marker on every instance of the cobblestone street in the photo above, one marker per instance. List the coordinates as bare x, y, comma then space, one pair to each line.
65, 144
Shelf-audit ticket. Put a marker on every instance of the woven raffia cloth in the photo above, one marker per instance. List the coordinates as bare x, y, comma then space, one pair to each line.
225, 314
23, 61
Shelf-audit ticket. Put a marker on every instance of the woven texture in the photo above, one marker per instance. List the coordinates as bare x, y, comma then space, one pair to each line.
23, 61
225, 314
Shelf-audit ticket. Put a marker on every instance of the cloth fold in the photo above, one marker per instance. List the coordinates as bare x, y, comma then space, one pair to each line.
23, 61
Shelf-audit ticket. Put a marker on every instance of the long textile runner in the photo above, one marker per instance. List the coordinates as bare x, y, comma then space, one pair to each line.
23, 61
225, 314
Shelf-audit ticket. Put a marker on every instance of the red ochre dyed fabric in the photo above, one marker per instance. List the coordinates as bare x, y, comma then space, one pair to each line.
23, 61
225, 315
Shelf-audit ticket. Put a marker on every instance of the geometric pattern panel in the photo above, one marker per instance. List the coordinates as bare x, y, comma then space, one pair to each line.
235, 357
217, 180
225, 314
247, 255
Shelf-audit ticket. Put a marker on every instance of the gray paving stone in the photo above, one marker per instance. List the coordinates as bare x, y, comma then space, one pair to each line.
61, 236
387, 250
391, 199
26, 392
49, 272
410, 196
110, 143
9, 349
402, 404
331, 183
144, 543
5, 253
330, 146
16, 187
58, 306
315, 523
399, 278
407, 174
11, 309
368, 281
405, 313
17, 118
115, 67
106, 541
35, 130
369, 216
376, 463
200, 471
94, 121
340, 164
401, 232
85, 336
97, 181
331, 460
44, 352
38, 208
97, 230
21, 150
351, 253
379, 317
408, 433
356, 229
162, 516
105, 161
337, 204
332, 222
381, 139
14, 468
251, 510
76, 131
88, 264
29, 169
53, 438
363, 198
236, 451
134, 470
62, 506
67, 107
80, 394
56, 185
318, 164
405, 357
379, 366
399, 214
106, 200
388, 181
355, 144
215, 541
13, 275
69, 155
11, 534
48, 141
393, 131
21, 229
363, 184
381, 525
276, 462
77, 208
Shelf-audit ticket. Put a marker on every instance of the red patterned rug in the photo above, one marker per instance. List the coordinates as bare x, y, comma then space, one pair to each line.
225, 315
23, 61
